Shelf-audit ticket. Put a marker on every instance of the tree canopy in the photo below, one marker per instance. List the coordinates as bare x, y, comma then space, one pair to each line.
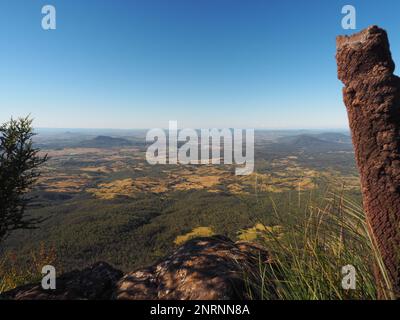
19, 170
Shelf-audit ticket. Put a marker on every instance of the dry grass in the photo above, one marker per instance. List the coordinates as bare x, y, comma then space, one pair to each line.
128, 188
196, 232
63, 183
197, 182
308, 258
100, 169
283, 175
14, 272
260, 232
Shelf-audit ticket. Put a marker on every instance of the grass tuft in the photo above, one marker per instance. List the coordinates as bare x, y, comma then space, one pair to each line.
14, 273
306, 260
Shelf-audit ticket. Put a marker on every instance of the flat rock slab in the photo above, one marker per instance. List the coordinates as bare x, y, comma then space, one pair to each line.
210, 268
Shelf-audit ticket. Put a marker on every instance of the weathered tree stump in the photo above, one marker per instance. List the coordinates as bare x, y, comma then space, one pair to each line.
372, 97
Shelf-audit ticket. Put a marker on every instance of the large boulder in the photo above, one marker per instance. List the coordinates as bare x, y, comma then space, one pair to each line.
209, 268
212, 268
95, 283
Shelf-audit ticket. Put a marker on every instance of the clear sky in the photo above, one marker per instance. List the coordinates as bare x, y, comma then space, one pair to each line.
205, 63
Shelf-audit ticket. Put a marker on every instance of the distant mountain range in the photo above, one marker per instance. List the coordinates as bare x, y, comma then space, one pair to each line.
321, 142
105, 142
334, 137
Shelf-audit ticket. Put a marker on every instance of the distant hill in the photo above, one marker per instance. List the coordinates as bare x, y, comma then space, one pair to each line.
320, 142
105, 142
303, 140
334, 137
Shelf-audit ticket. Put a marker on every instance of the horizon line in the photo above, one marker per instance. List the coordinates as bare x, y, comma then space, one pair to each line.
195, 128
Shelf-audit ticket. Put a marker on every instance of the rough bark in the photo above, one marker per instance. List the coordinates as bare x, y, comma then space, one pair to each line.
372, 97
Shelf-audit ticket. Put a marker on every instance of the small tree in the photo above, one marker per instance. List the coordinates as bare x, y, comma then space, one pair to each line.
19, 163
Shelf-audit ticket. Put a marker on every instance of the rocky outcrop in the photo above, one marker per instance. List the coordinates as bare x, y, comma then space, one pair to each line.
372, 97
204, 268
95, 283
212, 268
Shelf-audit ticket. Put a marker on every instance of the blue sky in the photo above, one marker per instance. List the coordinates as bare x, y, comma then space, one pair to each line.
205, 63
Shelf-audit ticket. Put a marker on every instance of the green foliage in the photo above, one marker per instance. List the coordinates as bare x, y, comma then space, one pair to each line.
14, 272
130, 233
19, 162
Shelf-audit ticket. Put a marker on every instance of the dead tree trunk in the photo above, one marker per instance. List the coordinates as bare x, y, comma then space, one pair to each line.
372, 97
